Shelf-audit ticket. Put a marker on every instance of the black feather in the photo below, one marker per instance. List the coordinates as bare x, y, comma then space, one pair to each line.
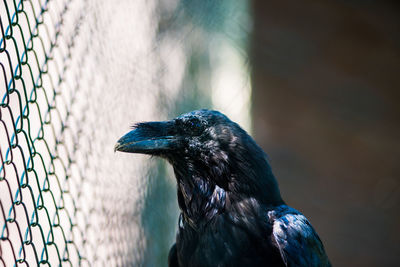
232, 213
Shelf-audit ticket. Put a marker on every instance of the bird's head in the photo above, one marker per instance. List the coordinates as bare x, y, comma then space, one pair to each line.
201, 135
206, 149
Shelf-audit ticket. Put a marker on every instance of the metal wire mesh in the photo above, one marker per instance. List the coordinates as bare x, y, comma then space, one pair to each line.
41, 219
73, 78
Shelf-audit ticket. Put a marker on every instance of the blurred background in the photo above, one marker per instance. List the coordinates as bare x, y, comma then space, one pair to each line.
315, 82
325, 91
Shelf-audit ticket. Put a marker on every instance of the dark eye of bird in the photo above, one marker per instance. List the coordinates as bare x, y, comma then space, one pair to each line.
193, 126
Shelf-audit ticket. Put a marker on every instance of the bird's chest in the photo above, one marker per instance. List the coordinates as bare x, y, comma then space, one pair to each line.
225, 243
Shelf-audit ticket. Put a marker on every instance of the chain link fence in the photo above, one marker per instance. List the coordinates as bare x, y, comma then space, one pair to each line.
74, 75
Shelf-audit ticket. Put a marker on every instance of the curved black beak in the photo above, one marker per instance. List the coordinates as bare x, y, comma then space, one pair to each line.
147, 138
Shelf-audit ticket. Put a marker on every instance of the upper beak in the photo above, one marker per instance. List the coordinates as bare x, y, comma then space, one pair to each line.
147, 138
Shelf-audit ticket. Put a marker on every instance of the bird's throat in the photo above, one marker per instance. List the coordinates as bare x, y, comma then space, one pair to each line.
199, 199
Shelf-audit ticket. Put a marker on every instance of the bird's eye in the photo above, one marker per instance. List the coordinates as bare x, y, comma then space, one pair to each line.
193, 126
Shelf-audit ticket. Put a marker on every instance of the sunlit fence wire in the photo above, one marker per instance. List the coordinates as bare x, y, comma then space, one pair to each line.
41, 218
74, 74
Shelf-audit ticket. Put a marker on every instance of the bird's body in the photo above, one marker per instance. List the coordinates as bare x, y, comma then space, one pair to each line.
253, 236
230, 239
232, 213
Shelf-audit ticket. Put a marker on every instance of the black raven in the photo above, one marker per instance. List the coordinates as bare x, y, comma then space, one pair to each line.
232, 213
